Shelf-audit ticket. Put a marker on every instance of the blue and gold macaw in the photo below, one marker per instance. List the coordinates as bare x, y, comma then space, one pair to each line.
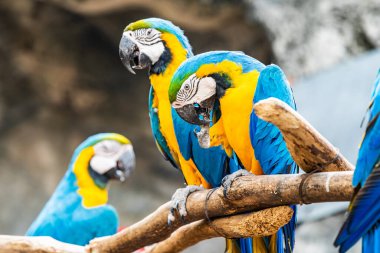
161, 47
78, 212
217, 90
364, 211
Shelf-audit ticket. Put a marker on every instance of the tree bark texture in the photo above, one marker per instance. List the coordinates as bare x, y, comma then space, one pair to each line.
254, 224
248, 193
38, 244
309, 149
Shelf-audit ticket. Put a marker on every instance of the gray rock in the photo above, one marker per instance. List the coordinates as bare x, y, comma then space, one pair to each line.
311, 35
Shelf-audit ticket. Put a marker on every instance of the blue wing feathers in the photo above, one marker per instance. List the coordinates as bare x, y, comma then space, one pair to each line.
267, 141
364, 213
369, 150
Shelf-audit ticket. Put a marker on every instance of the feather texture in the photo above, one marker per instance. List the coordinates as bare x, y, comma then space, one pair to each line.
364, 212
267, 141
64, 217
256, 144
175, 138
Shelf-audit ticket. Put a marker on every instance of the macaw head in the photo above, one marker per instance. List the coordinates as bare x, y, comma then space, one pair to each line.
150, 43
106, 156
203, 79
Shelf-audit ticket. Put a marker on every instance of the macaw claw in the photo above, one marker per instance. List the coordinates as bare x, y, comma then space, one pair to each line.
227, 180
178, 202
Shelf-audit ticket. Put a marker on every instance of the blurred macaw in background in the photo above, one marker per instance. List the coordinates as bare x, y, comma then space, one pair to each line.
78, 212
364, 211
217, 90
161, 47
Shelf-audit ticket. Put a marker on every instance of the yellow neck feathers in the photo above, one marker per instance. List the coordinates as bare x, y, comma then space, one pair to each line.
232, 129
229, 68
92, 195
160, 84
161, 81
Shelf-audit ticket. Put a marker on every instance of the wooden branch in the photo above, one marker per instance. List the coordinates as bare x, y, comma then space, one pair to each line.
309, 149
37, 244
261, 223
249, 193
179, 241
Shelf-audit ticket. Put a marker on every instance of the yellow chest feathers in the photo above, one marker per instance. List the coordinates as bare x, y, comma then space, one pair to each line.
232, 129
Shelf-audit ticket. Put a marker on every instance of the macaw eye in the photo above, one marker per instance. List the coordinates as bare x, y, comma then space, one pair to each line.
149, 31
106, 149
187, 87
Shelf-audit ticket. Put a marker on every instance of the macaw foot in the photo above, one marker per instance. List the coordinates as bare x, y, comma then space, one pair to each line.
227, 180
178, 202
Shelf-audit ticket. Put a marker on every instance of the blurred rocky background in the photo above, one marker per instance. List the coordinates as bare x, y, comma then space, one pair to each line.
61, 80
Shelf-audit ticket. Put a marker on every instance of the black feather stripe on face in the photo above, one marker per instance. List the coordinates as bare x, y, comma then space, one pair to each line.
145, 37
160, 66
222, 83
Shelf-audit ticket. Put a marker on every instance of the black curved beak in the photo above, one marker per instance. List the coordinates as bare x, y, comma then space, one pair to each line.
124, 167
196, 114
130, 55
189, 114
126, 163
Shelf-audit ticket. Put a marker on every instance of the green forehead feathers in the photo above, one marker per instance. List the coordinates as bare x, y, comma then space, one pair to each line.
137, 25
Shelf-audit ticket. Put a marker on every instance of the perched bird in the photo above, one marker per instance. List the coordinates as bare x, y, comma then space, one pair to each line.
78, 212
364, 211
160, 46
217, 90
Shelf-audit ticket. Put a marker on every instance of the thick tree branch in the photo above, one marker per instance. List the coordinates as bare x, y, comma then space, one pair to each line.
280, 114
249, 193
309, 149
38, 244
261, 223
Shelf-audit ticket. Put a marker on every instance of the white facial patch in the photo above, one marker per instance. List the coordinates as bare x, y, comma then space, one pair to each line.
195, 90
154, 52
148, 41
107, 153
102, 164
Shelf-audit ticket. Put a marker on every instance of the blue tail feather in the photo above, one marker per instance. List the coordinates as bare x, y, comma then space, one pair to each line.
371, 241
